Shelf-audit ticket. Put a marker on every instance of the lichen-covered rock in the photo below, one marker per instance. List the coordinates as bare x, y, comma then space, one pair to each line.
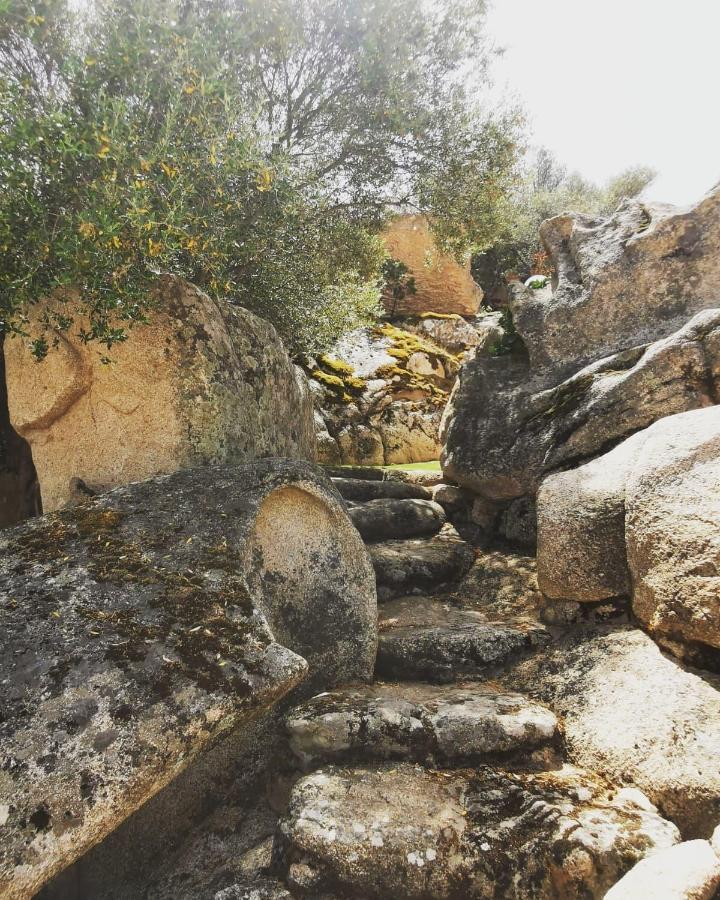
420, 563
420, 722
636, 716
379, 395
205, 382
625, 280
426, 638
505, 429
404, 832
442, 285
141, 626
642, 520
384, 519
451, 331
687, 871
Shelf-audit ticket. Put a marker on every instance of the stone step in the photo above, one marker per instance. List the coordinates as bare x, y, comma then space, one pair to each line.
426, 639
402, 831
361, 489
423, 722
367, 473
379, 520
402, 566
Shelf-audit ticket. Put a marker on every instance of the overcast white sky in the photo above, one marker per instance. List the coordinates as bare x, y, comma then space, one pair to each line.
613, 83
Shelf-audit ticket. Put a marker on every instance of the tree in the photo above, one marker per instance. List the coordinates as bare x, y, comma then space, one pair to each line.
250, 147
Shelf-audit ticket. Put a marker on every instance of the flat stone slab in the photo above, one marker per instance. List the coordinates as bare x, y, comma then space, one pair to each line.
380, 520
420, 722
634, 714
426, 638
362, 489
405, 832
403, 566
366, 473
141, 627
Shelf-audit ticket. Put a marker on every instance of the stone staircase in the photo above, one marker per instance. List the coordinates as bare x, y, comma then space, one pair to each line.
435, 781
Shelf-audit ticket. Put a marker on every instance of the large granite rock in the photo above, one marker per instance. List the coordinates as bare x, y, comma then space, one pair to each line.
405, 832
204, 383
142, 626
642, 520
635, 716
505, 429
624, 280
442, 285
629, 333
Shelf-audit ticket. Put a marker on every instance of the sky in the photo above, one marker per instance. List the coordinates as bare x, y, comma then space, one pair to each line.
608, 84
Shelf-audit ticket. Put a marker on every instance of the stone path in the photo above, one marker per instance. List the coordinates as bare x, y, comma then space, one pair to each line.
437, 780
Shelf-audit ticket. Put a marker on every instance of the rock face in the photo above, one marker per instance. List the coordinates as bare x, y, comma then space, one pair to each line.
629, 333
636, 716
142, 626
379, 395
642, 520
504, 429
204, 383
406, 832
442, 285
622, 281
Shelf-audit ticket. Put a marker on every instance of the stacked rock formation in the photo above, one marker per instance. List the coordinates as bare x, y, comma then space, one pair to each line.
617, 362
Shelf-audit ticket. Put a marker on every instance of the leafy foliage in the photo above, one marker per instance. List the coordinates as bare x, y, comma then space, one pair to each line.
548, 190
249, 147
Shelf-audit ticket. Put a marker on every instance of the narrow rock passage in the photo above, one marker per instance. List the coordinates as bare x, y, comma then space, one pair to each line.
435, 781
389, 806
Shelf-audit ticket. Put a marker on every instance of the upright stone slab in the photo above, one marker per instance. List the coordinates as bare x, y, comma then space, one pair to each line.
204, 383
442, 285
143, 625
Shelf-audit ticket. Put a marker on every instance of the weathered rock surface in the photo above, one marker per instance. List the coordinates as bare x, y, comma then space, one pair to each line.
687, 871
140, 627
673, 528
379, 520
420, 722
625, 280
643, 519
363, 489
451, 331
635, 716
379, 395
629, 334
504, 429
408, 833
418, 564
425, 638
223, 391
442, 285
